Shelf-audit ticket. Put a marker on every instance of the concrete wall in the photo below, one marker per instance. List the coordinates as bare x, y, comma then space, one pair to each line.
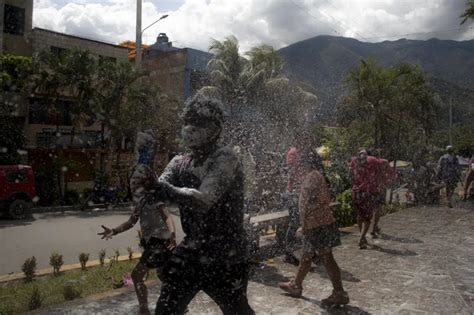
168, 70
18, 44
2, 11
45, 39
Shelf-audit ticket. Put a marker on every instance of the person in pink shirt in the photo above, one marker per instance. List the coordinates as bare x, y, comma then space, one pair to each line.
319, 230
365, 171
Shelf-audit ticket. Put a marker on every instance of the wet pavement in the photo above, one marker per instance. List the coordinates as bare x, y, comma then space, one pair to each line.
422, 264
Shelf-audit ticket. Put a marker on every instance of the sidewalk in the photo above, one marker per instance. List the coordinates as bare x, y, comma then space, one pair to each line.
423, 264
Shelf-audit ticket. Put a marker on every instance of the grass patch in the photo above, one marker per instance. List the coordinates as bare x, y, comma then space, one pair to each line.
15, 296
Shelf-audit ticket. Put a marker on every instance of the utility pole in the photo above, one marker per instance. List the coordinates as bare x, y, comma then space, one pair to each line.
138, 40
450, 121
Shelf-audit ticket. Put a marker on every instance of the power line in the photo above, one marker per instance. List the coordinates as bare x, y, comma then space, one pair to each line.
314, 17
328, 2
375, 37
425, 33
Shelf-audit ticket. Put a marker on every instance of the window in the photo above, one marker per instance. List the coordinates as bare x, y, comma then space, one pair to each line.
17, 176
45, 140
43, 111
14, 20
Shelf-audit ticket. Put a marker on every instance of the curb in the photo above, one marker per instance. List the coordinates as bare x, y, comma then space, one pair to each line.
49, 271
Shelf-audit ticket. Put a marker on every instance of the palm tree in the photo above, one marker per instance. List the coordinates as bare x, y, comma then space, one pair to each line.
225, 69
469, 13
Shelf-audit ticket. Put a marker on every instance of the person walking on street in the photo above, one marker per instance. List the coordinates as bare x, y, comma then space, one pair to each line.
290, 201
469, 178
320, 233
449, 172
365, 172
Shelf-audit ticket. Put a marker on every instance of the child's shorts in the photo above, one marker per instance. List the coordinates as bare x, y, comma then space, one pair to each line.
156, 253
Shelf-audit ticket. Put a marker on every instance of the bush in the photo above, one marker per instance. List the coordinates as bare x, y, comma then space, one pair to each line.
29, 268
346, 214
112, 262
83, 258
71, 291
117, 254
35, 300
56, 261
102, 257
130, 253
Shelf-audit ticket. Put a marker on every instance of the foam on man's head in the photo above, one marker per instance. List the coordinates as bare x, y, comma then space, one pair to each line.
201, 109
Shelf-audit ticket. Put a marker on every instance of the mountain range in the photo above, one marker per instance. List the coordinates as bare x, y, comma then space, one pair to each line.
321, 64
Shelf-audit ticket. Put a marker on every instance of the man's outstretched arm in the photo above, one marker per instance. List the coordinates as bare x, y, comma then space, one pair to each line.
215, 182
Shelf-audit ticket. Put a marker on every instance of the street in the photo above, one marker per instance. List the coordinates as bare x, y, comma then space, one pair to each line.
422, 264
68, 233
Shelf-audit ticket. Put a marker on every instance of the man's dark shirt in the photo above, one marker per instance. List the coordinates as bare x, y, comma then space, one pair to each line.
449, 169
215, 236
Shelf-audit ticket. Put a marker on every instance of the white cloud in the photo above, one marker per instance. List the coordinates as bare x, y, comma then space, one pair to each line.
275, 22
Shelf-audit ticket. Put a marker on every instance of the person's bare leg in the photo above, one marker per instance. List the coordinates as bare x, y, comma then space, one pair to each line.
359, 223
138, 274
449, 195
375, 227
332, 268
303, 269
295, 287
339, 296
363, 233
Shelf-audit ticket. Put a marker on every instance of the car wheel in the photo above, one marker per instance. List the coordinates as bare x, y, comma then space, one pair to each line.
19, 209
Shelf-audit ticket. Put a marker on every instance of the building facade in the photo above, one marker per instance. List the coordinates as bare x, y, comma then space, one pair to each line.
45, 133
16, 17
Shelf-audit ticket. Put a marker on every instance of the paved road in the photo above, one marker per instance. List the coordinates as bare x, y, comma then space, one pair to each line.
68, 233
423, 264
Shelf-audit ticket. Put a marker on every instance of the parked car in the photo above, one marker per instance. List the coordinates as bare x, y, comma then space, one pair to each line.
17, 190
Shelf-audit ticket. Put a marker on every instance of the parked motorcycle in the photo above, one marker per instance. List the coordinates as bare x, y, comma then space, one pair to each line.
104, 194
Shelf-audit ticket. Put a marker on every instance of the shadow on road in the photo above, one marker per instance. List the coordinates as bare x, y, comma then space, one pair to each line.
392, 251
408, 240
267, 275
345, 275
337, 310
6, 222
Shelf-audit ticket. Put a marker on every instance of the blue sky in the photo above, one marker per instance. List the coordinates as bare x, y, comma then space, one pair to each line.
193, 23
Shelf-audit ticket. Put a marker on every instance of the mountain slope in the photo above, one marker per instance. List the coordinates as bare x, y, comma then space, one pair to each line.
322, 63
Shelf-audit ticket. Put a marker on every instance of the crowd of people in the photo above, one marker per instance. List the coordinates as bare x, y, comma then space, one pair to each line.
207, 184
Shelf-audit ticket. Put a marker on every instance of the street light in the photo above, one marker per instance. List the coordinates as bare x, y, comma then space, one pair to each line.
139, 33
161, 18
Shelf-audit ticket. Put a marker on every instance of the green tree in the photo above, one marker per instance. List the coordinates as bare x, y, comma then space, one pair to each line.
72, 75
225, 70
469, 13
389, 105
14, 72
262, 102
113, 94
264, 66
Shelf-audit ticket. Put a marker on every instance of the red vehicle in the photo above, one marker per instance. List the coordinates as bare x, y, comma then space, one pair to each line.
17, 190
